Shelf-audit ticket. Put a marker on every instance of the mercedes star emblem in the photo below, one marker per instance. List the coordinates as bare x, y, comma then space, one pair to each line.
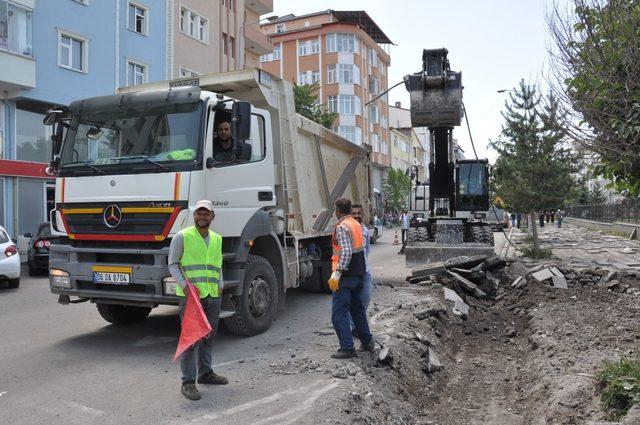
112, 216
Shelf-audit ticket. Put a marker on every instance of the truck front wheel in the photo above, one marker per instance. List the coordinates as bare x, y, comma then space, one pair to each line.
256, 306
122, 314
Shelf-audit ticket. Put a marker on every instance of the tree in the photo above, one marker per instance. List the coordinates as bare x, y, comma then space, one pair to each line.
533, 172
596, 76
306, 99
396, 188
597, 196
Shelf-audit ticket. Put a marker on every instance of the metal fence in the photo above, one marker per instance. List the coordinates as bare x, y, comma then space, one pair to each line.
626, 211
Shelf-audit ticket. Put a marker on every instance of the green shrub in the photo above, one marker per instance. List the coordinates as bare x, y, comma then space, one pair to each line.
527, 251
621, 382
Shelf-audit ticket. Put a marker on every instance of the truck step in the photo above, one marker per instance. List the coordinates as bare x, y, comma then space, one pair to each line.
226, 313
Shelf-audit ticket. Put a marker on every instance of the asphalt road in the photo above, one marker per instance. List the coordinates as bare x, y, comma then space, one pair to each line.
66, 365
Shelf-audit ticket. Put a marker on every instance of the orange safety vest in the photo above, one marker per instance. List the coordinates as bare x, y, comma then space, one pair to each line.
354, 230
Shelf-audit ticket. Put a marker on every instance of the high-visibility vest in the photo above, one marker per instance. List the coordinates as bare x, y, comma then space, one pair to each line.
184, 154
354, 230
202, 265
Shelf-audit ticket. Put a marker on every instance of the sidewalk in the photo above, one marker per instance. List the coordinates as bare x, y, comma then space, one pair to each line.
582, 247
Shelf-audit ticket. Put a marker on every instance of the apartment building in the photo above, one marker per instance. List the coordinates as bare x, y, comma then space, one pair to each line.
410, 145
345, 52
55, 51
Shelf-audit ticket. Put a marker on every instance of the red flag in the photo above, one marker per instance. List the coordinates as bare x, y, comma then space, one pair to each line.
195, 325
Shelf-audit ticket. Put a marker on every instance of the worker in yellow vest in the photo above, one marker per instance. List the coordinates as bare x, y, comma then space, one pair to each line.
196, 254
347, 281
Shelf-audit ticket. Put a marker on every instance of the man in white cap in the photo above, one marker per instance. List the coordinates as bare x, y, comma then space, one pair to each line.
196, 254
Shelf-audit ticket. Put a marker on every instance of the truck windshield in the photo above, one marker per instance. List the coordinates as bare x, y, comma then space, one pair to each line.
162, 139
472, 191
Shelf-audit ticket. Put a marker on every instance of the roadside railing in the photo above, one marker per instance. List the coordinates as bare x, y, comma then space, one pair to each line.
626, 211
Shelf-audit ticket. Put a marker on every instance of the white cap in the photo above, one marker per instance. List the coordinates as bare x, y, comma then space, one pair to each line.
204, 203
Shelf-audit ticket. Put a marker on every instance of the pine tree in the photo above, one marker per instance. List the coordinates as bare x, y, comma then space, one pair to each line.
533, 172
596, 195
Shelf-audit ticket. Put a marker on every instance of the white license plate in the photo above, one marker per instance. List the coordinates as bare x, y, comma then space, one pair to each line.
112, 278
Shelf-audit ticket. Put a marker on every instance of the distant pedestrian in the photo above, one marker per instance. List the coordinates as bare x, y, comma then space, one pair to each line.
559, 216
195, 253
518, 219
367, 287
404, 226
347, 281
513, 220
542, 220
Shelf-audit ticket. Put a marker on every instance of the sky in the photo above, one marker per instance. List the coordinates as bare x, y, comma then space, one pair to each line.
494, 43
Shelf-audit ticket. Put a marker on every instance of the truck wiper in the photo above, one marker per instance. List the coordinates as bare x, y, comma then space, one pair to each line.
146, 158
86, 163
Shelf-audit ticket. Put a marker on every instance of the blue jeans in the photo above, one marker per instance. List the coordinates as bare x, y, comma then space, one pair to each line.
365, 295
196, 361
348, 300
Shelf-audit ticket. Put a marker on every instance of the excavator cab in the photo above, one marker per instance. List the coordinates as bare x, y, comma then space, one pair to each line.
472, 178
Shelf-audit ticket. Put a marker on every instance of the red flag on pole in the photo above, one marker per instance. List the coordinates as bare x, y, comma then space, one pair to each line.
195, 325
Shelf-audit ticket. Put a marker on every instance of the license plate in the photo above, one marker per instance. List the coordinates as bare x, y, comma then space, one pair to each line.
112, 275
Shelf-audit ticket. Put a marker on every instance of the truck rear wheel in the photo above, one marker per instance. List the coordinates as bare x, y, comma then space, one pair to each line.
122, 314
256, 306
488, 235
318, 282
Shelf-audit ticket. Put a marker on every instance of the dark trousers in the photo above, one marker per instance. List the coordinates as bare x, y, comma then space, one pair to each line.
196, 361
404, 237
348, 300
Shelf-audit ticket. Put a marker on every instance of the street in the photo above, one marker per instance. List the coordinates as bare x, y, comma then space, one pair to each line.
81, 369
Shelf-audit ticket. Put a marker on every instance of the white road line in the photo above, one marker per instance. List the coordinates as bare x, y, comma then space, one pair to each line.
3, 393
85, 409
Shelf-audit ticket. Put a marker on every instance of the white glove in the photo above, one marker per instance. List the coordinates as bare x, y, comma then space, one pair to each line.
334, 280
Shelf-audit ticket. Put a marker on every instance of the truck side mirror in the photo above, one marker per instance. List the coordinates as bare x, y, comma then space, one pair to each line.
241, 121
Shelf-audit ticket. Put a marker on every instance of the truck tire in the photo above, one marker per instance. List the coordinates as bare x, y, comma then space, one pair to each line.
14, 283
256, 306
488, 235
412, 236
423, 234
123, 314
318, 282
477, 234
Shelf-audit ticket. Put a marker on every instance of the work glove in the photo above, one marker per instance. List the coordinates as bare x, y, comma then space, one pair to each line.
334, 280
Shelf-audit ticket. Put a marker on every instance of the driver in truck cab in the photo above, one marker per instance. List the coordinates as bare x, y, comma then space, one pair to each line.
223, 149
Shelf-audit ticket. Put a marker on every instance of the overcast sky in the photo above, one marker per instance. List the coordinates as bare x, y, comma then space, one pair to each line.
494, 43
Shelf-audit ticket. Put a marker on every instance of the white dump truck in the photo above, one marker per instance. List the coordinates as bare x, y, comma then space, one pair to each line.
131, 166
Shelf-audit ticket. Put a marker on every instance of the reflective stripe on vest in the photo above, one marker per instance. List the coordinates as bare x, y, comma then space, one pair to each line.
354, 230
202, 265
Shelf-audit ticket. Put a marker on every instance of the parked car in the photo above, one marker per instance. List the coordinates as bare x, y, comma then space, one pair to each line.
38, 252
9, 260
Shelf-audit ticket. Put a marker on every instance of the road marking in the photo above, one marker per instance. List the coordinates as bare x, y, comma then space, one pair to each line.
272, 398
3, 393
85, 409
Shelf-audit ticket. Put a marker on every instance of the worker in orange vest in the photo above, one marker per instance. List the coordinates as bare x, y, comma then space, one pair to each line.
347, 280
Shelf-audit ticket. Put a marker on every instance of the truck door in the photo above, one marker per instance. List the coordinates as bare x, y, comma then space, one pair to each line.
244, 185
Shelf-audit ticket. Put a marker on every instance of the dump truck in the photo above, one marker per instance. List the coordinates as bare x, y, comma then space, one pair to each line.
131, 167
450, 212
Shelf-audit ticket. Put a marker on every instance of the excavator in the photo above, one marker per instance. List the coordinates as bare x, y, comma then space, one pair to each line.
448, 215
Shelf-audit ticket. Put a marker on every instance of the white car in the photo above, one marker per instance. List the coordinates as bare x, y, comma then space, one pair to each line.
9, 260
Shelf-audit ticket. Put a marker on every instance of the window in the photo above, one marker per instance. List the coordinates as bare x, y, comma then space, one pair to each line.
137, 18
302, 79
280, 28
72, 52
374, 114
373, 57
383, 68
16, 29
346, 104
343, 73
254, 148
343, 43
225, 44
376, 142
271, 56
186, 73
315, 77
32, 137
383, 121
384, 148
373, 85
349, 132
232, 42
308, 47
194, 25
136, 73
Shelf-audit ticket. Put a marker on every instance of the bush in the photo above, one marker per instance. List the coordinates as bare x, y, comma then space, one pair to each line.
621, 382
527, 251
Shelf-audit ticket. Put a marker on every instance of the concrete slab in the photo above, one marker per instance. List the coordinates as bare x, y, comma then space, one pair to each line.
430, 252
559, 282
459, 306
542, 275
468, 285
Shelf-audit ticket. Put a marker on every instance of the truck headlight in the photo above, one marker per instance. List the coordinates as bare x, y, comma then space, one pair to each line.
169, 284
59, 279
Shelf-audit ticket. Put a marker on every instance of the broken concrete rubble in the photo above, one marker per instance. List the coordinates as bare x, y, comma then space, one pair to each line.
459, 306
468, 286
559, 282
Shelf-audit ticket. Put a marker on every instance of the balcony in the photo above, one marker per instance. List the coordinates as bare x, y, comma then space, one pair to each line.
261, 7
256, 41
16, 48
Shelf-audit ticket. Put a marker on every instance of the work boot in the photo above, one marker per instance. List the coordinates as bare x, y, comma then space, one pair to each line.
190, 391
369, 346
344, 354
211, 378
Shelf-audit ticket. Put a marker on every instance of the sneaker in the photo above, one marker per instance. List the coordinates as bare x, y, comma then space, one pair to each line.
212, 378
190, 391
344, 354
369, 346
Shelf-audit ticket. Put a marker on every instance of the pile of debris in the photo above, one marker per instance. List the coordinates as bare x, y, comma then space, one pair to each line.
479, 276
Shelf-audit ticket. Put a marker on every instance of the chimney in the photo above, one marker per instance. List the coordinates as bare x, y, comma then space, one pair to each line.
398, 104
